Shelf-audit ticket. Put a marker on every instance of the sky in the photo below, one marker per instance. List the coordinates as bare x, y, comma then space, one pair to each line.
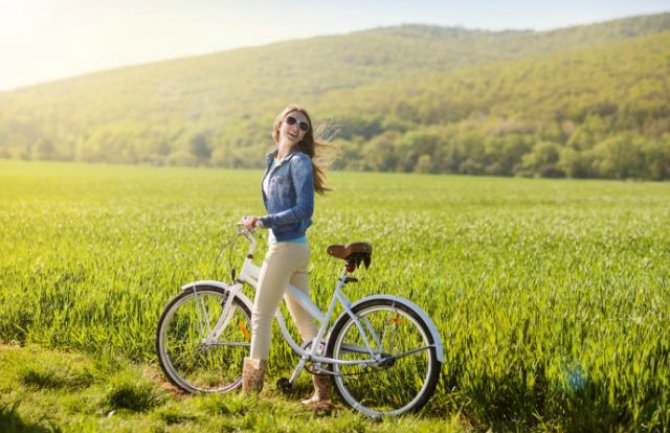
46, 40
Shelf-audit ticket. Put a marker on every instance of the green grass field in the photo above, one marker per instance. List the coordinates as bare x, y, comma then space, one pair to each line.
552, 297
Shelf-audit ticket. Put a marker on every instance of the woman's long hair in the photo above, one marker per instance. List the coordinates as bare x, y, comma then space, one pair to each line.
309, 145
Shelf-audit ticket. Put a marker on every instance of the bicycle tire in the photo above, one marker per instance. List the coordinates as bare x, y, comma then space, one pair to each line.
393, 387
187, 361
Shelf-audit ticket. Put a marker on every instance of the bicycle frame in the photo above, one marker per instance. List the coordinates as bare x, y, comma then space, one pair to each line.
249, 274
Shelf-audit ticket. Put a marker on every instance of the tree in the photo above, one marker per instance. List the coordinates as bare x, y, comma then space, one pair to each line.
656, 159
617, 157
181, 158
379, 153
43, 148
425, 164
502, 154
414, 144
574, 163
199, 146
542, 161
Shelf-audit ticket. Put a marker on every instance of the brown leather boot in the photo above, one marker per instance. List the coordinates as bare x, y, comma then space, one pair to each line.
322, 390
252, 374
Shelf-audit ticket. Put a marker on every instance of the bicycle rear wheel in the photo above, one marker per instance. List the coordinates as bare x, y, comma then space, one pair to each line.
190, 361
406, 370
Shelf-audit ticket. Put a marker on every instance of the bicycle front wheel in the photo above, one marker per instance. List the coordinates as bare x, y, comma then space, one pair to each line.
188, 355
396, 371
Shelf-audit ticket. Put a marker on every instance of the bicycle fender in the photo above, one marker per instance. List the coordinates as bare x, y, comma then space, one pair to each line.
220, 284
439, 350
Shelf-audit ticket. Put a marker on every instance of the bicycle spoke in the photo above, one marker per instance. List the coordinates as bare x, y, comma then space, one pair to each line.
203, 317
194, 362
398, 381
372, 333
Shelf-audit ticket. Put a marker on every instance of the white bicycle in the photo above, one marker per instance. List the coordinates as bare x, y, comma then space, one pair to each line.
383, 353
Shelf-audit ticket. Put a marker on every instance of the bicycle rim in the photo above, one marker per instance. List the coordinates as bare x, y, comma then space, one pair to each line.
191, 362
402, 383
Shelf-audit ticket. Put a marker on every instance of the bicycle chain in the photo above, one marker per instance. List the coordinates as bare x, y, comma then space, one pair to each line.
309, 369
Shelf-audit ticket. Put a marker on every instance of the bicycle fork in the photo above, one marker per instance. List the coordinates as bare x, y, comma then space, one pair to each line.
224, 318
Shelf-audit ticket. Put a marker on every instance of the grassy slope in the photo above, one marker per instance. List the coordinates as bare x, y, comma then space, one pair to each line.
317, 65
53, 391
250, 83
551, 295
566, 85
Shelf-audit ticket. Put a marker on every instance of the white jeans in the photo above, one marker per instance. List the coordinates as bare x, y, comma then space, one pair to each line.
284, 263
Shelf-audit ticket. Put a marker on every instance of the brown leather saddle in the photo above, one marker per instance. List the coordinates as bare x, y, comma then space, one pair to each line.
355, 253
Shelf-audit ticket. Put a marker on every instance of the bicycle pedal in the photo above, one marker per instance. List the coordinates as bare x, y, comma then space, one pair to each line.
284, 384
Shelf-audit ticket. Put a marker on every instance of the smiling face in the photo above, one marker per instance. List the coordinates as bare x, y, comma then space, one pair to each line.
293, 127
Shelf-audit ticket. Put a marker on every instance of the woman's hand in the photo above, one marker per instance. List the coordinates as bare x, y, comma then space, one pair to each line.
249, 222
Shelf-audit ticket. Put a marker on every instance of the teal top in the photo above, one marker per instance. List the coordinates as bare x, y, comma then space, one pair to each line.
273, 240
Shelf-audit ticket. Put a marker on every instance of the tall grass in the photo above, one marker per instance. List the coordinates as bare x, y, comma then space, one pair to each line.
551, 296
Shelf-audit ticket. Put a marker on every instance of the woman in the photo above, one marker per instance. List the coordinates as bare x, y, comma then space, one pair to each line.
288, 187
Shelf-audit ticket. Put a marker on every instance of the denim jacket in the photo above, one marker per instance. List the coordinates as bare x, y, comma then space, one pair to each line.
290, 202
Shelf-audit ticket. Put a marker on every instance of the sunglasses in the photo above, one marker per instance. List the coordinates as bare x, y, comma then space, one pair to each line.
304, 126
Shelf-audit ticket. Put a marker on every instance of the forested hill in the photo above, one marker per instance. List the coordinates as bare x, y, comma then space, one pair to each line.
587, 101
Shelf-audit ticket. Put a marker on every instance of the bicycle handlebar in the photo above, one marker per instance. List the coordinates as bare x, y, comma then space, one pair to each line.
243, 230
